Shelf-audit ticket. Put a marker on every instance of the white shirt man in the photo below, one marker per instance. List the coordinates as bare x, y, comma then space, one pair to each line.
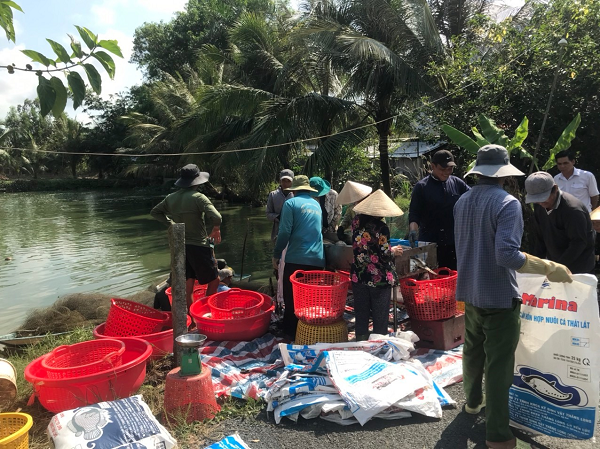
579, 183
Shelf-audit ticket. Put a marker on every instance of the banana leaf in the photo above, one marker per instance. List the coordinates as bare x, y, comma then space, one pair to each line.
563, 142
491, 132
481, 141
520, 135
461, 139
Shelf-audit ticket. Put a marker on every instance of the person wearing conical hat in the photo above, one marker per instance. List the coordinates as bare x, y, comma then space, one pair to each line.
351, 194
200, 262
373, 272
299, 230
488, 225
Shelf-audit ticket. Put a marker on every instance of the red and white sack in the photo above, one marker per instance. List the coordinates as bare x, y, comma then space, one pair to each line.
556, 375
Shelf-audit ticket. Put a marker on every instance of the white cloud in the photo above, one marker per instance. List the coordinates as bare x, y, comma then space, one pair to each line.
18, 86
104, 14
167, 7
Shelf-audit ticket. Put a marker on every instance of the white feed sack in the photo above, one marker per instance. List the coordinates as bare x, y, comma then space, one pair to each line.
122, 424
556, 377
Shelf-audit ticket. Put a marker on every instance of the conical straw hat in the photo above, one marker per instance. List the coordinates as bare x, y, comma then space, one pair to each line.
352, 192
595, 215
378, 204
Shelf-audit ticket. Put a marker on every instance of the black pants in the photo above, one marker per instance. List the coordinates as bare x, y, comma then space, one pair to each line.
446, 256
290, 321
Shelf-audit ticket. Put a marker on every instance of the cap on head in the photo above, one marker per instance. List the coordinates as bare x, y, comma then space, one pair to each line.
322, 185
443, 158
493, 162
538, 186
286, 174
190, 175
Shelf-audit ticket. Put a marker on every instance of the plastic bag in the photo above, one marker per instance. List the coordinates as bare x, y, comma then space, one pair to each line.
556, 376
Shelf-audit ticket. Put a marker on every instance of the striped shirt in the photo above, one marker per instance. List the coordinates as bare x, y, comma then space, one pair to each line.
488, 226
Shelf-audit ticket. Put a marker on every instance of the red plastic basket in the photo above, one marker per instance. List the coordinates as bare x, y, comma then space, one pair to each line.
199, 292
433, 299
58, 395
129, 319
243, 329
234, 304
161, 342
319, 296
81, 359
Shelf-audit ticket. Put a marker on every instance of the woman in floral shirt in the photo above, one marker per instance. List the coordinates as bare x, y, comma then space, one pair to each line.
373, 272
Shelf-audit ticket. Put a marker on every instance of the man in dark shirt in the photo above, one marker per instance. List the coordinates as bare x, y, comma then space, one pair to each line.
563, 231
431, 209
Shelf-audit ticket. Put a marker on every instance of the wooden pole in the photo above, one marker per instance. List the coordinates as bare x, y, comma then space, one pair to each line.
244, 249
179, 306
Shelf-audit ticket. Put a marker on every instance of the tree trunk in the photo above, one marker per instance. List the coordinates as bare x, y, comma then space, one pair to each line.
383, 130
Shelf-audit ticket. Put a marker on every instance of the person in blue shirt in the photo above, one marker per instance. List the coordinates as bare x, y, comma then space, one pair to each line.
431, 208
488, 228
225, 278
300, 230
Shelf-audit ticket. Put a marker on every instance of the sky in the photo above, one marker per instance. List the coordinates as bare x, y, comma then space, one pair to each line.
109, 19
53, 19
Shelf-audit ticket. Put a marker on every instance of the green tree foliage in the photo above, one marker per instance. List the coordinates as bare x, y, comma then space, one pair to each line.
452, 17
507, 73
29, 133
171, 46
381, 47
51, 90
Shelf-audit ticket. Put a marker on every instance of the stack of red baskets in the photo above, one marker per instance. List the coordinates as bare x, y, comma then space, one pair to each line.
431, 305
319, 303
235, 314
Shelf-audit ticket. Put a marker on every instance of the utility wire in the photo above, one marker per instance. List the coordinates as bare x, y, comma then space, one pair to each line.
265, 147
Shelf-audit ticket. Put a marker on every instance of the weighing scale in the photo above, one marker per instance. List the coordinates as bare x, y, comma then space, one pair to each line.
190, 357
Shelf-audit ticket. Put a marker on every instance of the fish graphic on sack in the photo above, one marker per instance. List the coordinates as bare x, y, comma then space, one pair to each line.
549, 387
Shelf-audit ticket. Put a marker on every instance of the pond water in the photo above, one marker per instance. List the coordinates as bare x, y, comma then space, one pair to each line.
74, 242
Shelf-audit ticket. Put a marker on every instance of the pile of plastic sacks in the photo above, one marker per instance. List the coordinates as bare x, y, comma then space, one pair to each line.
355, 381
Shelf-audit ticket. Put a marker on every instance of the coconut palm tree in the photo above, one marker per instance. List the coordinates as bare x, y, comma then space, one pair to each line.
273, 94
381, 47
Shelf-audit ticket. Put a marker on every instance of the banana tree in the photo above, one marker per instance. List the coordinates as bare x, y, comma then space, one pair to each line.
492, 134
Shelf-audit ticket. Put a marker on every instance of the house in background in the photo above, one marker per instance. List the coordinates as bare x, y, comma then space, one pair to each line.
408, 157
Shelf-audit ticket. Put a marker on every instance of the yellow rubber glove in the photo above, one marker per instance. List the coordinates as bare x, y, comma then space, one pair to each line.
555, 272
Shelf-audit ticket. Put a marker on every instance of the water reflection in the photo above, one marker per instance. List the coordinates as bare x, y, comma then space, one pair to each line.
64, 243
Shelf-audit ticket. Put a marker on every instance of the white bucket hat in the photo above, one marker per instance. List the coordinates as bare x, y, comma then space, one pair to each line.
352, 192
493, 162
378, 204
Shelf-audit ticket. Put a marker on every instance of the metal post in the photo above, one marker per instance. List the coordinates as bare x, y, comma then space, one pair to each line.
563, 45
179, 306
